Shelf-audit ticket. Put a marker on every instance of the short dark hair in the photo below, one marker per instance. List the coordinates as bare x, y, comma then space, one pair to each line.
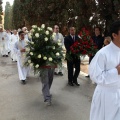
20, 33
98, 28
115, 27
71, 27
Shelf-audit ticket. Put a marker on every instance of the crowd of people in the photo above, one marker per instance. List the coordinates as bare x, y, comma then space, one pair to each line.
104, 66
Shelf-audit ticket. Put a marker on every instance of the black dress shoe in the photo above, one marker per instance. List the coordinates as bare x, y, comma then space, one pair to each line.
23, 82
87, 76
3, 55
6, 56
76, 83
55, 73
70, 83
60, 73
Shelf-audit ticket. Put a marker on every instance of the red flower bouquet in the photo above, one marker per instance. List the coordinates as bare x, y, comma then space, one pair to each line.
83, 46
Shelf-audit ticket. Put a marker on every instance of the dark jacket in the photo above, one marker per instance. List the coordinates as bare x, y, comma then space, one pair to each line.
99, 41
68, 42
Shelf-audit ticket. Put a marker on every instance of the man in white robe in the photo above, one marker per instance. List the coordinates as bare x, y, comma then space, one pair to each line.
14, 39
8, 32
3, 43
105, 71
19, 48
58, 36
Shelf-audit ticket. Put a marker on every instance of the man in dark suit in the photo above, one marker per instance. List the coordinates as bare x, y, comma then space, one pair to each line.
69, 41
98, 40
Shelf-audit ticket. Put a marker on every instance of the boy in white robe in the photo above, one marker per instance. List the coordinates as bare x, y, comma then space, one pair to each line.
105, 71
24, 29
19, 48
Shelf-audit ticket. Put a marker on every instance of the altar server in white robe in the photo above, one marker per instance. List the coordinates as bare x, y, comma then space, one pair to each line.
8, 39
19, 48
14, 39
58, 37
105, 71
3, 43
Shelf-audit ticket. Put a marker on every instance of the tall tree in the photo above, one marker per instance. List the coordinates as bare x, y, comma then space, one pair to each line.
1, 12
107, 12
7, 19
18, 16
61, 12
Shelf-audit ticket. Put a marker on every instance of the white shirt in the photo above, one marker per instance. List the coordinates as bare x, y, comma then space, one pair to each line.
59, 36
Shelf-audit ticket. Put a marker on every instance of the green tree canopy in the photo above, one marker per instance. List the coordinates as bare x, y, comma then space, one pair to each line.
8, 16
66, 13
1, 11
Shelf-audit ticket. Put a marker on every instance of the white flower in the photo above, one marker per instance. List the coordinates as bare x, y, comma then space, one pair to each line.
34, 26
46, 39
39, 56
31, 64
54, 34
32, 43
53, 47
47, 32
31, 53
29, 61
30, 35
64, 55
45, 58
27, 49
33, 30
50, 59
59, 44
49, 28
37, 35
39, 29
37, 66
63, 47
43, 26
24, 54
57, 54
59, 40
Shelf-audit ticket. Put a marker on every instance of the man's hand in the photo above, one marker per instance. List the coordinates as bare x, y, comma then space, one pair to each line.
23, 50
118, 68
2, 38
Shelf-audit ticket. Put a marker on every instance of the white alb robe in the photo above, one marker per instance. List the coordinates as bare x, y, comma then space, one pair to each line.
14, 39
57, 37
106, 99
3, 43
23, 71
8, 40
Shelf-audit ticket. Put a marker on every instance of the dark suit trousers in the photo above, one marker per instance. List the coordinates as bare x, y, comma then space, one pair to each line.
73, 75
90, 58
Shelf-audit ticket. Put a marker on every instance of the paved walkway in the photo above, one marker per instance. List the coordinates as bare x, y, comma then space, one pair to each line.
25, 102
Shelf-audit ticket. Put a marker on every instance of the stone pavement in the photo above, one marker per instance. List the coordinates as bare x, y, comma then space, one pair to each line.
25, 102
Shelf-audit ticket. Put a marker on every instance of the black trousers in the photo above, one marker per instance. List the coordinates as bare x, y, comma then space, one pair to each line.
73, 75
90, 58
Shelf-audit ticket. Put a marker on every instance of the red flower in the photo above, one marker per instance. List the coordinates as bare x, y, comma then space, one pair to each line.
87, 32
80, 34
83, 29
